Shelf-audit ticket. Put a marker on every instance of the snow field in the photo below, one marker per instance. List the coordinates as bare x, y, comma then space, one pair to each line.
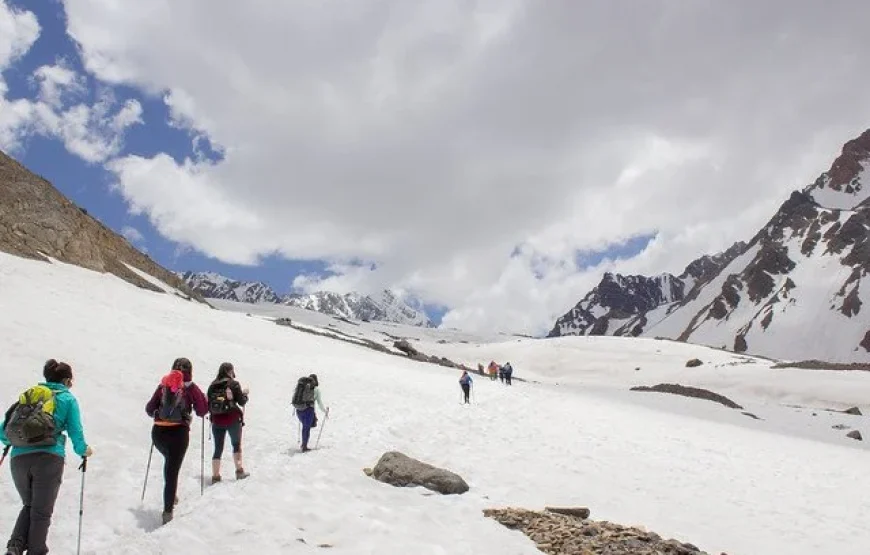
721, 486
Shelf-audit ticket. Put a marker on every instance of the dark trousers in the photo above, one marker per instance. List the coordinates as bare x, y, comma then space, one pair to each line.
466, 389
171, 442
220, 432
507, 378
37, 477
307, 417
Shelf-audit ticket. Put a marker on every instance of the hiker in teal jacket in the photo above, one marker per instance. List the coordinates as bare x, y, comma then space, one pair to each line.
38, 471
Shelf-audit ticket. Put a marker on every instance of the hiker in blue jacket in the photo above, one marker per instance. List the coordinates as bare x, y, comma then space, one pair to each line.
465, 382
37, 470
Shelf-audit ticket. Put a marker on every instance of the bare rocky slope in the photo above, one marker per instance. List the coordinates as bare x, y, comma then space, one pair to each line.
793, 291
37, 220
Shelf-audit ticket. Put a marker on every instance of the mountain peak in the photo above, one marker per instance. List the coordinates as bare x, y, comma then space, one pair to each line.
793, 291
843, 186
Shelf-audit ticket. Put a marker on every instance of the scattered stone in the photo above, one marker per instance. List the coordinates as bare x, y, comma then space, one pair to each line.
284, 322
687, 391
840, 427
694, 362
855, 434
367, 471
400, 470
555, 533
327, 545
749, 414
579, 512
854, 410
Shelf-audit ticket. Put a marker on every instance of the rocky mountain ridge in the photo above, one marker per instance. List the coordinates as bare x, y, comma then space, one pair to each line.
386, 306
793, 291
37, 221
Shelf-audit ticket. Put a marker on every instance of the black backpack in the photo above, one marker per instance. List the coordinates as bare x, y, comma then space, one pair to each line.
30, 421
173, 406
220, 399
303, 396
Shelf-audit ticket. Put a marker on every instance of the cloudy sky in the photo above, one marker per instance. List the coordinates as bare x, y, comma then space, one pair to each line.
490, 157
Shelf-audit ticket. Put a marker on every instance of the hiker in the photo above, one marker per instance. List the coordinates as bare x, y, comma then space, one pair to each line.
307, 393
501, 373
225, 401
170, 407
465, 382
493, 370
38, 453
508, 372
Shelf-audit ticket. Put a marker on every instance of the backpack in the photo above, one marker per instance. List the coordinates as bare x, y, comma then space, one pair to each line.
303, 396
220, 398
173, 406
30, 421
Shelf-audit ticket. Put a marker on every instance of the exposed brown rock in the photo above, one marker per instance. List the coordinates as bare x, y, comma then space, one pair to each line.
768, 318
866, 341
36, 218
855, 434
847, 166
855, 411
693, 363
560, 534
687, 391
851, 304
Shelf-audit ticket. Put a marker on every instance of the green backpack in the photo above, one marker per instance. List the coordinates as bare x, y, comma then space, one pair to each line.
30, 421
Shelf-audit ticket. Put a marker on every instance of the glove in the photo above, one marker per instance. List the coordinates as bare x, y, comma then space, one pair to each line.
89, 451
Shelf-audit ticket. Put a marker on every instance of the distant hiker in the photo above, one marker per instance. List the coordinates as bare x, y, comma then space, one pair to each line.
493, 370
34, 427
225, 399
508, 372
465, 382
501, 373
480, 368
306, 394
171, 406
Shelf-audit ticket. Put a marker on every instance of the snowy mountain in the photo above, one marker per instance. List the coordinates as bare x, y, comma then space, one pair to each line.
386, 307
215, 286
793, 291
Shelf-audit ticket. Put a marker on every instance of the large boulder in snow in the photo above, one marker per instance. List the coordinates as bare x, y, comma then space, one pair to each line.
400, 470
404, 346
855, 434
693, 363
854, 410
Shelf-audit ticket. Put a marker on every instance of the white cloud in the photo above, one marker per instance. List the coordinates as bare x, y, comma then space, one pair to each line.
19, 29
56, 82
132, 234
434, 137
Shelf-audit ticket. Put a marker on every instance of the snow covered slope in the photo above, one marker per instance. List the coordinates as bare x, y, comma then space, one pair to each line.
386, 306
684, 468
795, 290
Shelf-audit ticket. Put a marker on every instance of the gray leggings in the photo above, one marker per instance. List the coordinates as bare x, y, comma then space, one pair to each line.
235, 431
37, 478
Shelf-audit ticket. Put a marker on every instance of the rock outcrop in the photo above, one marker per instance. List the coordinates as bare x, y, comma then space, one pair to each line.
687, 391
37, 221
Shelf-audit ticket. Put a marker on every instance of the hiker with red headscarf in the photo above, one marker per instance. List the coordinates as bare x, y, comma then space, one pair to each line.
170, 407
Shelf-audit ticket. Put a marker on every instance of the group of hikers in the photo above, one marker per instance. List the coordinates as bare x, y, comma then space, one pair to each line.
33, 435
494, 369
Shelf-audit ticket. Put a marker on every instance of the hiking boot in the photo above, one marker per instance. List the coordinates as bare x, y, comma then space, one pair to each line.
215, 479
241, 474
14, 547
167, 517
176, 500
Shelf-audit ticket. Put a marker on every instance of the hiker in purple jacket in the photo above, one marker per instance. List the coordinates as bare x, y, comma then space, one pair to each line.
170, 407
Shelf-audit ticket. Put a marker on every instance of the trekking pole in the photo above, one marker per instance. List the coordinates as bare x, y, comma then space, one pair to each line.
147, 470
84, 469
320, 433
5, 452
202, 461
